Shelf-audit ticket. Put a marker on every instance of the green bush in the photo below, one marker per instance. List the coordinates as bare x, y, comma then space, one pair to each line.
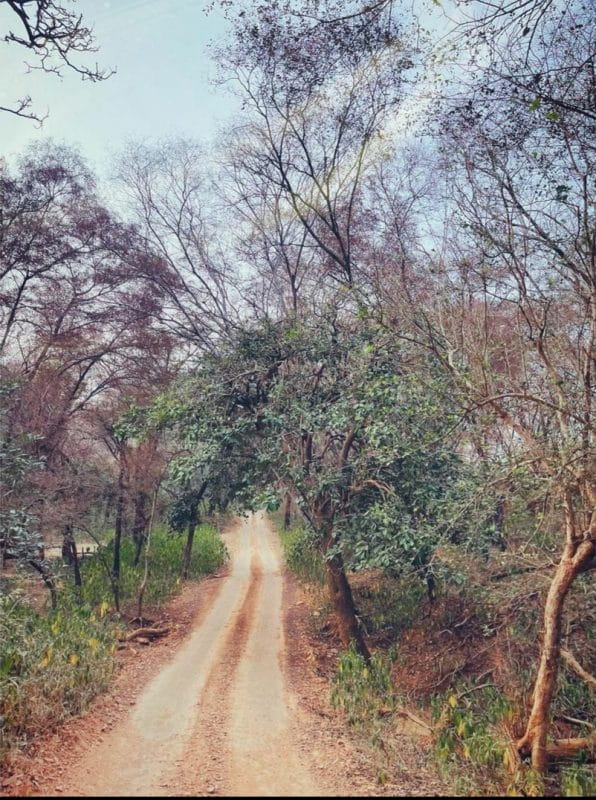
165, 562
51, 666
362, 689
302, 555
578, 780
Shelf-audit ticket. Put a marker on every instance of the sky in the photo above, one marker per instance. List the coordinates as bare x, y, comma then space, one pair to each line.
162, 87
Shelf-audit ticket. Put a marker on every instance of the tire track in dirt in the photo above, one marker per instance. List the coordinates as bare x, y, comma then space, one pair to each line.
203, 770
134, 760
220, 718
264, 760
243, 743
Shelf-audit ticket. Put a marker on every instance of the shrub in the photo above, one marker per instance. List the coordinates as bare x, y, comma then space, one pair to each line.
51, 666
165, 560
302, 555
363, 690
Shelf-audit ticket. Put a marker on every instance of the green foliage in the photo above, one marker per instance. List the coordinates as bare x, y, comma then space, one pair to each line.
363, 690
390, 605
51, 666
468, 738
578, 780
278, 405
301, 553
19, 532
165, 560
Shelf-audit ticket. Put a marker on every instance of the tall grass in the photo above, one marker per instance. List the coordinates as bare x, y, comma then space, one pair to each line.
301, 553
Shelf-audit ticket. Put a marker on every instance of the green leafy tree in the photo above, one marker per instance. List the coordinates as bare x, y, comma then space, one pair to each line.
339, 415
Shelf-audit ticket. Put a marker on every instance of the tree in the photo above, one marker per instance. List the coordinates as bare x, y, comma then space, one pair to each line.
20, 537
166, 187
515, 315
77, 325
331, 413
316, 127
54, 36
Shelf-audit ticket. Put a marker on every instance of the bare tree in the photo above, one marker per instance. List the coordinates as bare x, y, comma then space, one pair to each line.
54, 36
167, 188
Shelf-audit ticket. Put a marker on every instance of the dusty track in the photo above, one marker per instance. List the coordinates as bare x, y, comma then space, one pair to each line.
232, 709
217, 718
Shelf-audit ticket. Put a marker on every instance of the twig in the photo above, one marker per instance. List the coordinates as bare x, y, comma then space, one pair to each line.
414, 718
577, 667
574, 720
474, 689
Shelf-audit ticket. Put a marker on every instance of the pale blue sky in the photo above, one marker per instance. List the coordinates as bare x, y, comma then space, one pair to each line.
162, 85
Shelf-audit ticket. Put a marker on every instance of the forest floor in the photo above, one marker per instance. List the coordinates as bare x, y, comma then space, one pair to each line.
230, 703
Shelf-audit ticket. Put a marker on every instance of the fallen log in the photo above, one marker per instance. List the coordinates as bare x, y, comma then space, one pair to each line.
569, 748
151, 633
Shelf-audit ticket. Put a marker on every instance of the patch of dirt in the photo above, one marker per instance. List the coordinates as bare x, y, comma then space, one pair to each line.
233, 701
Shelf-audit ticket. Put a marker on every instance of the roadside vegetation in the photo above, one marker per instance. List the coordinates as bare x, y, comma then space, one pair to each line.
453, 674
54, 661
372, 304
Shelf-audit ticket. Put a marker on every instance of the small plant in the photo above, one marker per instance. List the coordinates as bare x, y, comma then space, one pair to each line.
51, 666
301, 554
467, 736
578, 780
363, 690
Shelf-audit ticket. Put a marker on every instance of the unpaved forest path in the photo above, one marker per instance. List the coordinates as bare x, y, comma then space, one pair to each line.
219, 717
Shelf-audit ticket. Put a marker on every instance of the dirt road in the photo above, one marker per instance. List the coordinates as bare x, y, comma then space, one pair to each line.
219, 718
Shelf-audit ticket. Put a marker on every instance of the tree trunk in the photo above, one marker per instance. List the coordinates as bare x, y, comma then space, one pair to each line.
341, 596
120, 501
146, 570
73, 559
287, 511
190, 535
534, 740
139, 527
48, 579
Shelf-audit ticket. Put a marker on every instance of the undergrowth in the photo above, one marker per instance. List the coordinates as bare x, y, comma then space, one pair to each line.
51, 666
363, 690
165, 559
301, 553
52, 663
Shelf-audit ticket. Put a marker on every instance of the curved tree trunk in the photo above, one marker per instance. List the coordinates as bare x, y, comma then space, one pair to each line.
343, 604
287, 511
534, 740
340, 593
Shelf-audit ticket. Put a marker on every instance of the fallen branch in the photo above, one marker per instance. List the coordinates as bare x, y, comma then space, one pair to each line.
569, 748
403, 713
144, 632
475, 689
575, 721
577, 667
512, 573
